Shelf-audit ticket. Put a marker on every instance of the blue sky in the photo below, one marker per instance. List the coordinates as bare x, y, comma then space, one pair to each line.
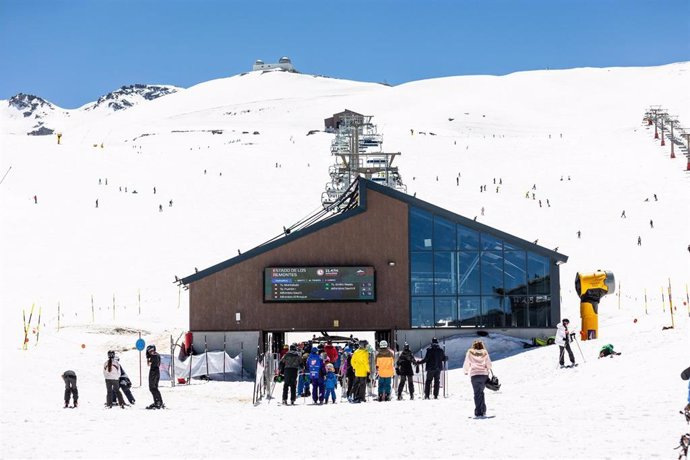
73, 51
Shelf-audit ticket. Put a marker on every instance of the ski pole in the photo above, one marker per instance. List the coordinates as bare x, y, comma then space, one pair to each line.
578, 347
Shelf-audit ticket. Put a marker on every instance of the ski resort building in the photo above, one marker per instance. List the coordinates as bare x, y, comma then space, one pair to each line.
383, 261
283, 63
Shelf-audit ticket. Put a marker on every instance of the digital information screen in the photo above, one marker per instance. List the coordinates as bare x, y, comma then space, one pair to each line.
314, 284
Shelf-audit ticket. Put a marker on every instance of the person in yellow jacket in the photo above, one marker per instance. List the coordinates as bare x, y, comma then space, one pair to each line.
360, 363
384, 368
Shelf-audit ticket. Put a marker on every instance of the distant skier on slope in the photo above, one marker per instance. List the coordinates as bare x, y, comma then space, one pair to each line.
434, 359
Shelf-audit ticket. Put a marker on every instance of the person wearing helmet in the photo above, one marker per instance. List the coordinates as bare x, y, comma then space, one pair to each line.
153, 360
317, 372
434, 359
283, 350
111, 372
360, 364
405, 370
290, 364
563, 338
384, 369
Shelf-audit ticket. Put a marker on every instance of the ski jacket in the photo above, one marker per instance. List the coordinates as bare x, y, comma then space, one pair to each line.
360, 362
434, 358
155, 364
332, 353
114, 372
69, 375
315, 366
384, 362
331, 380
562, 335
291, 360
405, 362
344, 364
477, 362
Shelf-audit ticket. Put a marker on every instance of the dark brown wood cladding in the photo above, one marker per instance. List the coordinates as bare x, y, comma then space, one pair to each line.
375, 237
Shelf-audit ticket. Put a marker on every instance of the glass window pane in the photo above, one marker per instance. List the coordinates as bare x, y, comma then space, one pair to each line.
444, 234
445, 273
468, 239
468, 270
446, 311
492, 311
515, 263
538, 274
421, 273
511, 247
422, 311
491, 243
516, 307
469, 309
492, 273
540, 311
421, 228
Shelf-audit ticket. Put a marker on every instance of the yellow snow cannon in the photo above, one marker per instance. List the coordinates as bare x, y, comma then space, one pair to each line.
591, 287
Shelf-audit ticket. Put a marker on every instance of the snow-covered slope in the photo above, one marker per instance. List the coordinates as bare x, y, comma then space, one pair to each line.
574, 137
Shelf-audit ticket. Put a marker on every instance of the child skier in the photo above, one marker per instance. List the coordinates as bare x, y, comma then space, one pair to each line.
331, 383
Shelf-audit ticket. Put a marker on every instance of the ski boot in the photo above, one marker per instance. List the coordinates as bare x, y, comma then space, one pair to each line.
66, 405
399, 397
284, 402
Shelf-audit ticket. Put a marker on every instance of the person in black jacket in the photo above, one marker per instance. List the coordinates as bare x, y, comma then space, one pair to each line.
70, 379
434, 359
404, 369
289, 364
153, 359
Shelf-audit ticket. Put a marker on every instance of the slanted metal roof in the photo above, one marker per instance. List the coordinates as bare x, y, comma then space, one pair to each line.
354, 202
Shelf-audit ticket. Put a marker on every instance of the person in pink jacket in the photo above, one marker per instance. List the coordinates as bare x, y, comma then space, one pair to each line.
477, 365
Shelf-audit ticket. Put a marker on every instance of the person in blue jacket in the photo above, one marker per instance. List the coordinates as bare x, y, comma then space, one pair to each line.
317, 371
331, 383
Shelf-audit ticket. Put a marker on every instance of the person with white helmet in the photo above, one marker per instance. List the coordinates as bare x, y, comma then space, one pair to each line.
385, 370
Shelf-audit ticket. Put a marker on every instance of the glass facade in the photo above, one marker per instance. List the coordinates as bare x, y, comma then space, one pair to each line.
460, 277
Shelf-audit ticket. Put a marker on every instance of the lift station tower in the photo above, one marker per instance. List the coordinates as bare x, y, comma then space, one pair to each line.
357, 149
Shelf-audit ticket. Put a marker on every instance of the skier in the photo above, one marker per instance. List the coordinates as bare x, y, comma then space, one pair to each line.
563, 338
70, 379
360, 364
623, 216
125, 383
384, 369
579, 234
607, 350
651, 223
331, 383
153, 359
35, 199
639, 241
96, 202
404, 369
477, 365
316, 370
290, 363
434, 359
111, 372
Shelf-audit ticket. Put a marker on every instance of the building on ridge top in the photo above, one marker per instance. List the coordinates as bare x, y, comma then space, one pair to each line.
284, 63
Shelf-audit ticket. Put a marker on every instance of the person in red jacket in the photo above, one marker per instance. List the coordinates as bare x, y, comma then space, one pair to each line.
331, 351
